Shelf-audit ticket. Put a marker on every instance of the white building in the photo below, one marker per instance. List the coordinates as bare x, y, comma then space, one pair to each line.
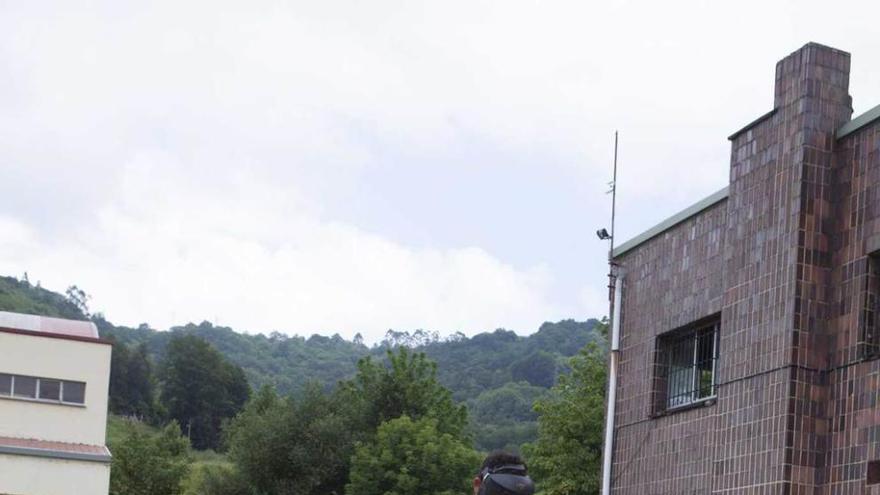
54, 380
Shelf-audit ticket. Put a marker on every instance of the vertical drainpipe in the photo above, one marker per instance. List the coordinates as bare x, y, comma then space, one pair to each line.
608, 449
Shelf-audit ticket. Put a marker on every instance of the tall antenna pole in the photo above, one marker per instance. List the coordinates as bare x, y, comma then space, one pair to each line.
613, 201
614, 299
611, 272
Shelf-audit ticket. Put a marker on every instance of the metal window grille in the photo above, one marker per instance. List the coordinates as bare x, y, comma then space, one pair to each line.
870, 334
690, 366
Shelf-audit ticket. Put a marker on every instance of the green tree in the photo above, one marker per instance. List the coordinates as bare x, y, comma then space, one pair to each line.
132, 386
286, 446
506, 416
513, 401
407, 385
566, 458
78, 298
21, 297
201, 389
538, 368
216, 479
412, 456
148, 463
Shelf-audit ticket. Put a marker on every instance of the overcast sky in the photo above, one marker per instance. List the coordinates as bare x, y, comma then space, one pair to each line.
351, 166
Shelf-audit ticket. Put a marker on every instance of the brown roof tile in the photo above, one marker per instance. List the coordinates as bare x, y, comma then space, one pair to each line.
73, 448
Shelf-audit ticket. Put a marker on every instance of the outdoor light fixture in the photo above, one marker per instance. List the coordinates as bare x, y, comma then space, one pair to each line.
603, 235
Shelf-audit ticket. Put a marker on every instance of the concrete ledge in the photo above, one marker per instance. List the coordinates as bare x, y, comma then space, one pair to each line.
105, 458
672, 221
857, 123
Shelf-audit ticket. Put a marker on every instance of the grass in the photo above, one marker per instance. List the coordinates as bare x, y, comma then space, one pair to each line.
116, 428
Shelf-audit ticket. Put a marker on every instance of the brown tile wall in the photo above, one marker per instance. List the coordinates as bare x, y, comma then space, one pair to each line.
670, 281
820, 105
783, 260
853, 409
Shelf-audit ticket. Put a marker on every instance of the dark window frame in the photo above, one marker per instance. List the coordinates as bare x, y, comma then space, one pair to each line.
693, 381
869, 333
872, 473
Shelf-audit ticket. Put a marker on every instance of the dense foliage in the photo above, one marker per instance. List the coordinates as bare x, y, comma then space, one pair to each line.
133, 387
538, 369
147, 463
412, 456
406, 385
568, 453
304, 445
286, 363
201, 389
506, 416
215, 478
468, 367
22, 297
338, 417
287, 446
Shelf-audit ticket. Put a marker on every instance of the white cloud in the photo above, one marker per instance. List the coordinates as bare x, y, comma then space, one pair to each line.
176, 247
199, 160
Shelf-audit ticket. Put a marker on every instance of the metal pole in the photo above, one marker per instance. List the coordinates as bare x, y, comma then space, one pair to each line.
613, 201
614, 297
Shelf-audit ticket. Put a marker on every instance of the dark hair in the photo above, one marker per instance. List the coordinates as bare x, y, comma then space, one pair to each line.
499, 458
504, 473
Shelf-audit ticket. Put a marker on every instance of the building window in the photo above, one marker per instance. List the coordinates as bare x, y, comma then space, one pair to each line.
24, 386
50, 389
685, 367
5, 384
869, 339
873, 474
75, 392
42, 389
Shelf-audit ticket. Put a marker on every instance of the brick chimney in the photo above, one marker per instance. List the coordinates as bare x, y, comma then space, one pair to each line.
815, 72
778, 247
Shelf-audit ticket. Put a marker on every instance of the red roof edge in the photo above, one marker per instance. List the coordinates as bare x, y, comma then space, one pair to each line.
57, 450
75, 338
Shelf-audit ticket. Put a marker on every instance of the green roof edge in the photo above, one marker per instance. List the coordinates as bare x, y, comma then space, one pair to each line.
672, 221
752, 124
857, 123
850, 127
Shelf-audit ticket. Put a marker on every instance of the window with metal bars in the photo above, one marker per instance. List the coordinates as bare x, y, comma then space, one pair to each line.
686, 365
869, 338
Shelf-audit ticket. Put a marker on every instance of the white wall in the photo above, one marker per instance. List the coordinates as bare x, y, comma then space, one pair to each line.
23, 475
56, 358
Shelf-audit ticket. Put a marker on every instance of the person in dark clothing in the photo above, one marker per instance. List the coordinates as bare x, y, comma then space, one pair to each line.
503, 473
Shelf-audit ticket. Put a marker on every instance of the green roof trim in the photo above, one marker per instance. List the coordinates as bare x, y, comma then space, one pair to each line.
752, 124
857, 123
672, 221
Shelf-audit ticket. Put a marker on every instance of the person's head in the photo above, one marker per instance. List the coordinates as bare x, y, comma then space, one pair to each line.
503, 473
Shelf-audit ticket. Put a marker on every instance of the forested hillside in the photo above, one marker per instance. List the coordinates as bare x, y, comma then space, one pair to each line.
23, 297
498, 375
205, 410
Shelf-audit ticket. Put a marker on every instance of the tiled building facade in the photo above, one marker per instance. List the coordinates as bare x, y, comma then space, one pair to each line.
748, 349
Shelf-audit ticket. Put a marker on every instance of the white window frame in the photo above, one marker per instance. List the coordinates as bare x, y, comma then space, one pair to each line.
37, 397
